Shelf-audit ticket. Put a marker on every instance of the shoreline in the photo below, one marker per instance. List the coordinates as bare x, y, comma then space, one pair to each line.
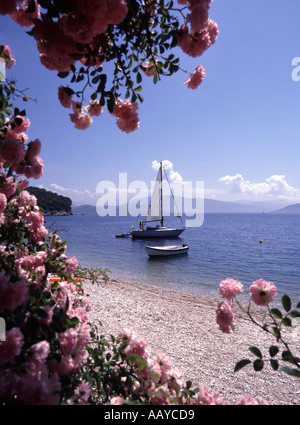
183, 326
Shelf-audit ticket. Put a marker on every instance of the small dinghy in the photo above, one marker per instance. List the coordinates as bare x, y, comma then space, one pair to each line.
123, 235
163, 251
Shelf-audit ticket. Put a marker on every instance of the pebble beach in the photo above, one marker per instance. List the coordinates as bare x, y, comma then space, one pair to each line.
184, 327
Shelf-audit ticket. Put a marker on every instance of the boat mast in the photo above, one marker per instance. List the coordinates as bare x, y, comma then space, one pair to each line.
161, 196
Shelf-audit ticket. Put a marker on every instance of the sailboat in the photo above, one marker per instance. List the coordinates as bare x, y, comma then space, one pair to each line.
155, 213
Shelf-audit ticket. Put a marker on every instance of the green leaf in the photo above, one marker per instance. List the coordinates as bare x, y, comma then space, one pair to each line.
287, 356
63, 74
295, 313
273, 350
287, 322
241, 364
138, 78
275, 312
258, 365
256, 351
274, 364
286, 302
290, 371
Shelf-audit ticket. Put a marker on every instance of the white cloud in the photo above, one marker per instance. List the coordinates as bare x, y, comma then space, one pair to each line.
173, 176
75, 194
275, 186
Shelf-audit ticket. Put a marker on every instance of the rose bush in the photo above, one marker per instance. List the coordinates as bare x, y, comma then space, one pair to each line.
262, 294
79, 38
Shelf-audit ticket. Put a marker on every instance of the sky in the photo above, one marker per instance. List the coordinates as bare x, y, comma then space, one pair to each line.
239, 132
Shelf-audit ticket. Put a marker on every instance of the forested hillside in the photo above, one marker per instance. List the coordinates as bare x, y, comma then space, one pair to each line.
51, 202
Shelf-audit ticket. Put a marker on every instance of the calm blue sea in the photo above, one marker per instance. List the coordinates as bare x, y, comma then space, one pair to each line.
226, 245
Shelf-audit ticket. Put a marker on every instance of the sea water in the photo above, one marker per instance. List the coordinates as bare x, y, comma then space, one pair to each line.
241, 246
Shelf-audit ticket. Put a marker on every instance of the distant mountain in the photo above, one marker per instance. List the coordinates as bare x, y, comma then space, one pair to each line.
84, 209
290, 209
210, 206
214, 206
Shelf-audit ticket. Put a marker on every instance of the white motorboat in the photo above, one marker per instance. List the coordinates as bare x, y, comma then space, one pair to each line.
163, 251
155, 213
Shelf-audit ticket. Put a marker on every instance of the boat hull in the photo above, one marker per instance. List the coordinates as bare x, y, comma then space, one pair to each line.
160, 232
166, 251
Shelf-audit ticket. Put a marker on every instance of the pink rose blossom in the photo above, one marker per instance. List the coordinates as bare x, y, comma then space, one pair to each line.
116, 401
82, 121
250, 401
226, 317
8, 187
11, 347
20, 124
64, 96
126, 114
206, 396
23, 184
196, 78
82, 394
94, 108
7, 6
12, 294
229, 288
6, 50
12, 151
3, 202
33, 149
148, 65
262, 292
71, 265
26, 199
22, 17
68, 341
198, 16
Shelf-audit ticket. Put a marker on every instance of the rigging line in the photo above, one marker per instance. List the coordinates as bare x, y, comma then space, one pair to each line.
172, 196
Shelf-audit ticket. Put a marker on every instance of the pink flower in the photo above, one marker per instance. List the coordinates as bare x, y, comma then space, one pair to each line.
247, 400
12, 294
198, 16
126, 114
12, 151
262, 292
27, 200
226, 317
23, 184
137, 346
94, 108
3, 202
37, 357
65, 96
206, 396
148, 65
6, 50
33, 149
68, 341
20, 124
7, 6
8, 187
82, 393
24, 18
229, 288
116, 400
72, 264
196, 78
11, 347
81, 120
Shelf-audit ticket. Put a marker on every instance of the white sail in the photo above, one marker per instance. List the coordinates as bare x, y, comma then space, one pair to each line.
155, 207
